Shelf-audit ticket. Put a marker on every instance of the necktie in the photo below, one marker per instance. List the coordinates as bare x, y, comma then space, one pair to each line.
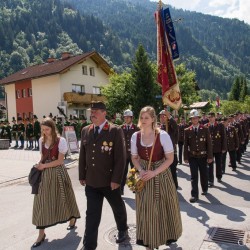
195, 131
96, 131
127, 128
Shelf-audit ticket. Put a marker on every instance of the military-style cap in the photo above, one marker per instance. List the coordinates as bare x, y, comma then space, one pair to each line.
98, 105
127, 112
35, 117
211, 114
194, 113
231, 116
163, 112
224, 119
13, 119
203, 113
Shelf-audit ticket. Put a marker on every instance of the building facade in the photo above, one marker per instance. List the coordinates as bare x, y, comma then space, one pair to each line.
71, 82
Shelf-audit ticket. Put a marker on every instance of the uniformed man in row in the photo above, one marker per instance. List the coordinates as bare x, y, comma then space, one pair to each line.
232, 145
204, 120
101, 167
37, 131
236, 123
172, 129
20, 131
219, 143
128, 129
14, 130
29, 131
181, 127
197, 153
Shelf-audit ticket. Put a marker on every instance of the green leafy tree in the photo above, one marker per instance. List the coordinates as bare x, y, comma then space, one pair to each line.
119, 92
188, 85
145, 88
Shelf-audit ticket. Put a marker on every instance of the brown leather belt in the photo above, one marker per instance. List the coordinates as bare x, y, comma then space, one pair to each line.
198, 153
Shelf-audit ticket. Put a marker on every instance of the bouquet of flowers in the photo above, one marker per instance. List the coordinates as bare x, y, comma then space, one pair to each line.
132, 179
134, 183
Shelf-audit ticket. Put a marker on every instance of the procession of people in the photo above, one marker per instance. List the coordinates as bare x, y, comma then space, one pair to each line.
153, 147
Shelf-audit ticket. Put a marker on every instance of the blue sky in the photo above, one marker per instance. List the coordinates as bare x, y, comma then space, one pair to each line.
225, 8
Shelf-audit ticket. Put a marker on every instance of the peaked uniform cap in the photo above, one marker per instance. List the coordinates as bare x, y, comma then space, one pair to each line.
128, 112
98, 105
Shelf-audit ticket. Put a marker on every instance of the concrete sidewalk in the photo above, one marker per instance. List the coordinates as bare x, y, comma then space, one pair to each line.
227, 206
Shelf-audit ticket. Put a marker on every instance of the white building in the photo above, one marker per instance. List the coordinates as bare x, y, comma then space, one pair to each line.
73, 81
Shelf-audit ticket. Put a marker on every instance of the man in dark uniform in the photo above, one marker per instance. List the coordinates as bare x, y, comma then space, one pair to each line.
219, 143
37, 131
197, 152
128, 129
14, 132
236, 123
181, 127
232, 145
172, 129
29, 134
20, 131
59, 125
84, 123
204, 120
102, 161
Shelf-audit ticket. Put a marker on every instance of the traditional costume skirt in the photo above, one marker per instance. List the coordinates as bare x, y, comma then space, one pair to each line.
55, 202
158, 215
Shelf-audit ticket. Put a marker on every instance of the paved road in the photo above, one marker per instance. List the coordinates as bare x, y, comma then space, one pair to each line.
227, 205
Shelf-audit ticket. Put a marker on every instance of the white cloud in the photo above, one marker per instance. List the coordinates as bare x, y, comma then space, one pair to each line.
224, 8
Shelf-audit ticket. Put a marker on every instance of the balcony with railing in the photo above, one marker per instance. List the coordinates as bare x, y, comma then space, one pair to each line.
82, 98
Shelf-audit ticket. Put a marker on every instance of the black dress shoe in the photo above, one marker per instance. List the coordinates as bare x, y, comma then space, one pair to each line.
70, 227
234, 169
210, 184
193, 199
204, 193
169, 242
37, 244
122, 235
219, 180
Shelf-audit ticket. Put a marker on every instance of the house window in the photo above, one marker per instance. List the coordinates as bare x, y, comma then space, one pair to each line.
76, 88
79, 112
96, 90
24, 93
30, 92
92, 71
84, 70
18, 94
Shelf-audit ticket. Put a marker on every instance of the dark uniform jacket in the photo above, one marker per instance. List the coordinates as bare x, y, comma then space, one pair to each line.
218, 135
20, 129
172, 131
102, 160
29, 130
197, 146
14, 130
181, 128
232, 139
128, 134
37, 129
239, 131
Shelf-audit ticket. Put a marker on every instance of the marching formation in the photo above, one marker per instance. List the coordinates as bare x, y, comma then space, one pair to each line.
153, 148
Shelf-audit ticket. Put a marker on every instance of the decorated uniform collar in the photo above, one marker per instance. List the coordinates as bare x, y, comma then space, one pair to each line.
131, 126
103, 126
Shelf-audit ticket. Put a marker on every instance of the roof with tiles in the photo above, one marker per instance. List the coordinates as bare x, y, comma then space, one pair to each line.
55, 66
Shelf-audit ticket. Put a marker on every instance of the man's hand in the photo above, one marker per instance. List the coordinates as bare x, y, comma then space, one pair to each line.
209, 160
186, 161
114, 185
83, 182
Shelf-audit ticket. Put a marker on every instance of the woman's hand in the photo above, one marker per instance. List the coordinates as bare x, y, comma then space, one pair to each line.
147, 175
41, 166
141, 173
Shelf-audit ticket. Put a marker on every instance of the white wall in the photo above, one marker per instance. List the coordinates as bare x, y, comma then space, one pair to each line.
46, 95
11, 101
75, 76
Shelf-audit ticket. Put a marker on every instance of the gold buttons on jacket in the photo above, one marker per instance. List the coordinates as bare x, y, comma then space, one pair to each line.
93, 164
93, 158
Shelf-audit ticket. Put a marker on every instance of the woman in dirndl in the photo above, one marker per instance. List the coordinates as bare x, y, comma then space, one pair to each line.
158, 219
55, 202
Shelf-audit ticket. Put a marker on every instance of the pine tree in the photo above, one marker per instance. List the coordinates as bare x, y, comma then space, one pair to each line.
243, 89
235, 90
144, 83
